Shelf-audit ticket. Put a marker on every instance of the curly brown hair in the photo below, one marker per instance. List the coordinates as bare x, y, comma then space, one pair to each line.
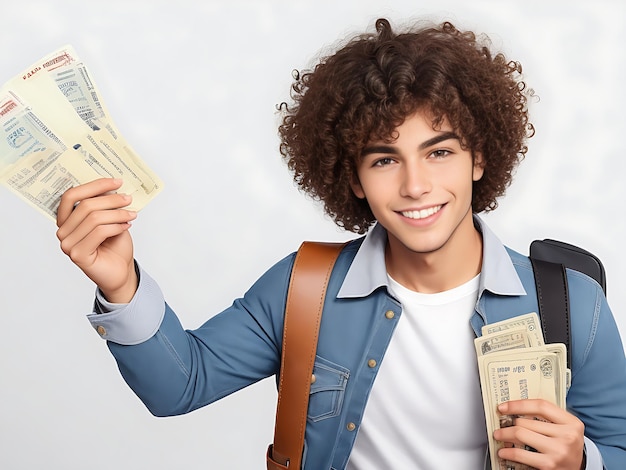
369, 86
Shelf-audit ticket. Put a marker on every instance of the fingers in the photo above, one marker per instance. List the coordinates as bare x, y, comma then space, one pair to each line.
74, 196
546, 446
84, 201
82, 244
90, 214
536, 407
93, 231
542, 435
527, 432
521, 455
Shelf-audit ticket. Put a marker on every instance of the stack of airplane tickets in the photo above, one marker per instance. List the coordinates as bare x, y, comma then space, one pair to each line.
56, 133
514, 363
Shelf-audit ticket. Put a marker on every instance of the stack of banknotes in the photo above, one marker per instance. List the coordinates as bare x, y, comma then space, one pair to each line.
514, 363
56, 133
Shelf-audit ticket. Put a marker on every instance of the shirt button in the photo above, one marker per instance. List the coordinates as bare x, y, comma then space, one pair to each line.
351, 427
390, 314
313, 378
101, 330
371, 363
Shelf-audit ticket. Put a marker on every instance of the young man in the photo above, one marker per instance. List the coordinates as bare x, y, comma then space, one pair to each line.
410, 135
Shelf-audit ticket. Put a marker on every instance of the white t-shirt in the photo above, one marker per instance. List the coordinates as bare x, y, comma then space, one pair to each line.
425, 409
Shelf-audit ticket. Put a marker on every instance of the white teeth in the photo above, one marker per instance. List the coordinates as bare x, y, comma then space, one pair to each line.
421, 214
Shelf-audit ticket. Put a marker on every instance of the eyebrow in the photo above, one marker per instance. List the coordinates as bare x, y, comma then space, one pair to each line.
424, 145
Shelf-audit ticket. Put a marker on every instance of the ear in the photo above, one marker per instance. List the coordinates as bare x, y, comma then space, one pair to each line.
357, 189
479, 167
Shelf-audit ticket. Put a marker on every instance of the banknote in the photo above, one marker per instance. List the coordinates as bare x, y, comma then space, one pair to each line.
54, 111
31, 158
39, 161
503, 339
518, 375
75, 82
566, 376
530, 321
514, 364
495, 337
523, 374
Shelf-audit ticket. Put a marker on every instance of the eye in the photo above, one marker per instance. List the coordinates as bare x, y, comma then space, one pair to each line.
383, 161
440, 153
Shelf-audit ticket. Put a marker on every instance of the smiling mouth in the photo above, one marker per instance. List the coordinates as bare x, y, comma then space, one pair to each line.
421, 214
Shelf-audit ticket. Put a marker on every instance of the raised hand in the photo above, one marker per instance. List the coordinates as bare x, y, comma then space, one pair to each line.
93, 231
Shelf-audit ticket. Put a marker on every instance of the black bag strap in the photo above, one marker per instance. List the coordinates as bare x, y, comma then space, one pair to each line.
553, 300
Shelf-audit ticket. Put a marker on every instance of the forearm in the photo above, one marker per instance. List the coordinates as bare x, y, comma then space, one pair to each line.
159, 370
174, 371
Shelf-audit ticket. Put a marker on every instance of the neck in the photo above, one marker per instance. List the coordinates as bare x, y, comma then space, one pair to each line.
458, 261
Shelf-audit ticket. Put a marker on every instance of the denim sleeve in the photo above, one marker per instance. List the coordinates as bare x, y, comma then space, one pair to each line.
173, 370
598, 372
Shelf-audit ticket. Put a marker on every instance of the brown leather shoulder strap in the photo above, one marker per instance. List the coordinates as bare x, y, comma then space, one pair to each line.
303, 312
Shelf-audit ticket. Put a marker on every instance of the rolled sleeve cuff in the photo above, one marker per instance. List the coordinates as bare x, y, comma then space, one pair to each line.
134, 322
594, 458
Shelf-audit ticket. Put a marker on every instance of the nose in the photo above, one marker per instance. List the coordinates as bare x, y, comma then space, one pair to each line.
416, 181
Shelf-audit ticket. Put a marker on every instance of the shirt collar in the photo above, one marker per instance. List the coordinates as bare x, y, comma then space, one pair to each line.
368, 271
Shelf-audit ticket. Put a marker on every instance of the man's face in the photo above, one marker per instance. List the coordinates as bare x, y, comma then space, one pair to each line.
419, 187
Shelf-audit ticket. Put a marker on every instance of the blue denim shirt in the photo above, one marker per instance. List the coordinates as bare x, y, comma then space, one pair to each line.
174, 371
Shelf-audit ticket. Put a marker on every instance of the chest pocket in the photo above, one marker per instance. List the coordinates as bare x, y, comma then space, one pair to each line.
327, 389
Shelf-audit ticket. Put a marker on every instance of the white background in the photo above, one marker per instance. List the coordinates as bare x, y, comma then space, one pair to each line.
193, 86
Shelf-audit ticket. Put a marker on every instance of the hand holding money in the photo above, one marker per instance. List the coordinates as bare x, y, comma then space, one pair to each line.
56, 133
93, 231
541, 435
518, 371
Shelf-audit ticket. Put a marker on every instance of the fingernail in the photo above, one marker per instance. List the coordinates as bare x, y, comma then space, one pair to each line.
502, 407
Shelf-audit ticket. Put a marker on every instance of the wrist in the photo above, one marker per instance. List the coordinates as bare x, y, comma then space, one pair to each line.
583, 464
125, 292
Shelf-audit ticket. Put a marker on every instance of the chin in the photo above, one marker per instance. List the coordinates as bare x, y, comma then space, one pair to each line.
424, 247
